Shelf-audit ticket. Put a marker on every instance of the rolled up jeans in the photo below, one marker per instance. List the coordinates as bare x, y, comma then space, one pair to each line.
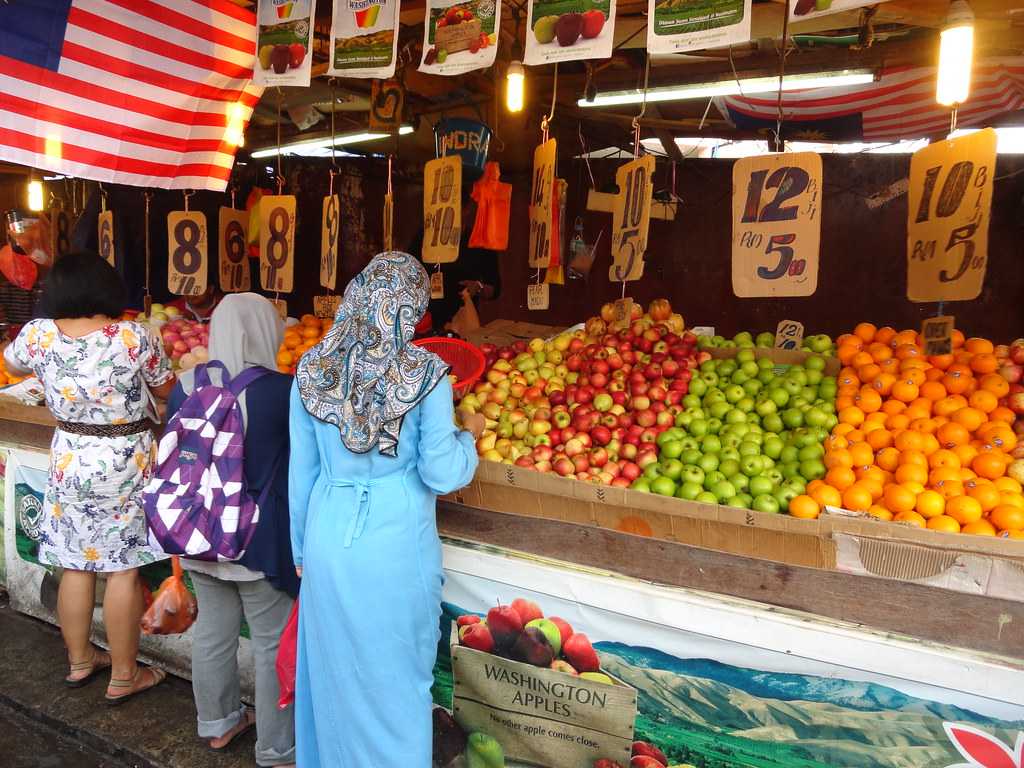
215, 681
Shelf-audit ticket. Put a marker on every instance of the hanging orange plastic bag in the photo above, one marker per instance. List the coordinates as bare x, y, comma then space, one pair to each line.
493, 209
174, 608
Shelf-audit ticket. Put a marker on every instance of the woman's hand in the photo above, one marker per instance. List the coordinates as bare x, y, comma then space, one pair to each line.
298, 571
474, 423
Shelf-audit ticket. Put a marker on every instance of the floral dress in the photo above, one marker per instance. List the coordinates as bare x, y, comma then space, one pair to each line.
92, 513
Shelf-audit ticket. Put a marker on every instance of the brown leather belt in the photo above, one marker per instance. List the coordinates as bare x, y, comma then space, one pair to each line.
105, 430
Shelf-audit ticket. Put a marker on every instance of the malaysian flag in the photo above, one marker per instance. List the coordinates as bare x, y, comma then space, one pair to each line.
153, 93
899, 105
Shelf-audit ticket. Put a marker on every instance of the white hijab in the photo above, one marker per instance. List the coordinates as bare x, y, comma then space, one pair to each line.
245, 331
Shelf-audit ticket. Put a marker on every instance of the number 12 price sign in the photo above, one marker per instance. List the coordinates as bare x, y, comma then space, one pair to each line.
186, 252
442, 209
234, 251
950, 201
776, 225
631, 219
277, 242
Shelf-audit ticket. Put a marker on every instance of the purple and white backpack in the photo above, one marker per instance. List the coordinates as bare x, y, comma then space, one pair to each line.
196, 502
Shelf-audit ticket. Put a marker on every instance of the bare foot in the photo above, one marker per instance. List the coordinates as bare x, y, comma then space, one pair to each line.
248, 721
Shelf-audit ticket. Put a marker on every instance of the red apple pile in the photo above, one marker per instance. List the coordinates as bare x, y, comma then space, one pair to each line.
588, 404
643, 755
1011, 368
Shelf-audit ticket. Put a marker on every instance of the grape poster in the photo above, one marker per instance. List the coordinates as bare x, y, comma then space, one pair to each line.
284, 42
364, 38
685, 25
569, 30
460, 36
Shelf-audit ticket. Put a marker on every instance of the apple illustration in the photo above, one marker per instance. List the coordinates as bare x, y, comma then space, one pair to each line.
560, 665
580, 653
604, 762
467, 619
643, 749
551, 632
643, 761
532, 647
505, 625
597, 677
478, 637
564, 628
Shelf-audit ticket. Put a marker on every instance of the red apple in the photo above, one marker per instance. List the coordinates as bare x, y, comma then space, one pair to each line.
598, 458
581, 463
505, 625
527, 610
601, 435
643, 749
643, 761
564, 467
478, 637
645, 417
630, 471
467, 619
580, 653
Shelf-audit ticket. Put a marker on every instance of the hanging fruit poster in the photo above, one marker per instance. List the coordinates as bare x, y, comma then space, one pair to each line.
364, 38
802, 10
561, 31
460, 36
284, 42
687, 25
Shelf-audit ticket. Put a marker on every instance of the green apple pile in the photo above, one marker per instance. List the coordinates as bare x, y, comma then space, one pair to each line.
819, 343
747, 438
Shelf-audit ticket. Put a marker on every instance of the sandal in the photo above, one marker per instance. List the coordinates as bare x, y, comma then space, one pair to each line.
156, 676
99, 662
246, 724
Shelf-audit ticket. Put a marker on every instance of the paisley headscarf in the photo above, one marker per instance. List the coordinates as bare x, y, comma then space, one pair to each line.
366, 374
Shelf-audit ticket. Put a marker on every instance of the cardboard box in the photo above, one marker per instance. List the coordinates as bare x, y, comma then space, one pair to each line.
779, 356
458, 37
504, 332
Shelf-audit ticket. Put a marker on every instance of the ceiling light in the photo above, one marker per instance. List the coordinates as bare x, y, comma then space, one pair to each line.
956, 50
35, 195
351, 138
514, 86
732, 88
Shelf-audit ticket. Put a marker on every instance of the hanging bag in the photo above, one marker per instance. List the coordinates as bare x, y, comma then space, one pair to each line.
494, 208
174, 608
287, 654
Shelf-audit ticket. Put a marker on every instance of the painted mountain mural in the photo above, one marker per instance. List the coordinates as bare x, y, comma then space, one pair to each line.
705, 714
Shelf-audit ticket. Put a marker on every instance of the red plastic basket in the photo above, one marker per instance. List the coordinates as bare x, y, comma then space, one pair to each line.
466, 361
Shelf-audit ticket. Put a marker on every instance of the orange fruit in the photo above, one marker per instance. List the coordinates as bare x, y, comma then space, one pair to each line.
861, 454
957, 379
915, 376
905, 391
868, 400
1013, 499
879, 439
840, 478
984, 363
983, 400
880, 512
964, 509
879, 352
915, 457
1006, 517
907, 351
979, 346
1007, 485
1000, 435
804, 506
1012, 534
948, 405
846, 353
941, 475
989, 465
898, 499
861, 359
966, 454
986, 494
888, 459
942, 362
843, 430
929, 504
884, 334
838, 458
924, 426
908, 440
911, 518
970, 418
943, 458
858, 497
835, 442
284, 358
950, 489
933, 390
952, 434
892, 365
869, 371
911, 473
865, 332
1003, 415
995, 384
929, 444
934, 374
855, 435
309, 332
979, 528
851, 415
883, 382
897, 422
877, 419
844, 401
944, 523
826, 495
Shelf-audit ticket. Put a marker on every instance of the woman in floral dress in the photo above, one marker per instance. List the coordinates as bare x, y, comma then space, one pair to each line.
95, 370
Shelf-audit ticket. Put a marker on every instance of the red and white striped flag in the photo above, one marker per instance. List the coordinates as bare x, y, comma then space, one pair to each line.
153, 93
899, 105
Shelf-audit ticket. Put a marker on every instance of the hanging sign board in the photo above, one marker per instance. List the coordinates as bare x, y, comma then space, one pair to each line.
283, 42
685, 25
937, 334
60, 232
459, 36
789, 334
277, 242
949, 205
330, 221
542, 204
186, 252
234, 253
282, 308
442, 210
364, 38
557, 32
776, 224
631, 219
538, 296
436, 285
389, 220
105, 236
802, 10
387, 103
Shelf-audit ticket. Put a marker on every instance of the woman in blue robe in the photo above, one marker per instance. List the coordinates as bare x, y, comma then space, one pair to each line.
373, 442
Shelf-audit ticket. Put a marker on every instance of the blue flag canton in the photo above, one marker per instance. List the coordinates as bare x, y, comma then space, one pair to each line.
32, 31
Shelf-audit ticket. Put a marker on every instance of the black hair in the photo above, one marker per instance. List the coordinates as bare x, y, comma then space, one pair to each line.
82, 285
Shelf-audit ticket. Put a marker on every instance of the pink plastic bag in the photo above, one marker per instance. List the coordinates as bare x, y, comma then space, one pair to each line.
286, 653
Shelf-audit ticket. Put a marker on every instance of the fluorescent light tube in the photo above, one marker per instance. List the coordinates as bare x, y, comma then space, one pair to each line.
350, 138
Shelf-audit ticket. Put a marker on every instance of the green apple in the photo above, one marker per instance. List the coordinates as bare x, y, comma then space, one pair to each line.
761, 485
551, 632
765, 339
812, 470
689, 491
483, 751
740, 500
764, 502
663, 486
740, 482
692, 474
712, 478
672, 469
784, 496
641, 484
723, 490
729, 467
706, 497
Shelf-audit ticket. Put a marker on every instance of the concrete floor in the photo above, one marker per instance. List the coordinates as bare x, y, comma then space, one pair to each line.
26, 743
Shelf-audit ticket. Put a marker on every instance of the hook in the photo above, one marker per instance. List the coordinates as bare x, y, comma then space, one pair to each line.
188, 193
643, 107
551, 115
334, 105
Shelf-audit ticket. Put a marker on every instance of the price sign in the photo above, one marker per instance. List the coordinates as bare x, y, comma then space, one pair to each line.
436, 285
703, 330
277, 242
389, 220
937, 333
387, 102
186, 252
949, 205
776, 225
789, 334
623, 311
442, 209
326, 306
542, 204
329, 228
537, 296
60, 233
282, 308
232, 236
631, 218
105, 236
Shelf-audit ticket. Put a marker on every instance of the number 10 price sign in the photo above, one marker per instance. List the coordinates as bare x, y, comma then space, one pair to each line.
631, 219
442, 209
776, 225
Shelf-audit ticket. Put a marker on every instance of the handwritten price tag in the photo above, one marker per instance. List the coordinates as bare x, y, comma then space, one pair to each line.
436, 285
949, 205
631, 219
105, 233
542, 205
234, 255
326, 306
776, 225
622, 310
277, 242
937, 333
282, 308
789, 334
330, 221
186, 252
538, 296
442, 210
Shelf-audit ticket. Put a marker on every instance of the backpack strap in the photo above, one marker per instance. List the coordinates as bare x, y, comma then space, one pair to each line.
202, 373
238, 384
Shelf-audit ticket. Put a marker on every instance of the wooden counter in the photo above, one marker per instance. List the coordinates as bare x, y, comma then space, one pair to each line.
25, 426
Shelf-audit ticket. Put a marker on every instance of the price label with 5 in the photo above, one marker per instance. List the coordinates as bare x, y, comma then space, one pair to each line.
442, 209
541, 204
277, 242
186, 252
330, 226
949, 204
105, 236
631, 219
234, 256
776, 225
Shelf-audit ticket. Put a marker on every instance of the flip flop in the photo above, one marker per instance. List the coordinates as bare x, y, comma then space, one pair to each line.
247, 724
157, 676
93, 666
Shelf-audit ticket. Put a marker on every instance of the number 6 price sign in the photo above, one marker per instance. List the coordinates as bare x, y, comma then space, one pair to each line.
329, 226
234, 257
277, 242
442, 209
776, 225
186, 252
950, 201
631, 218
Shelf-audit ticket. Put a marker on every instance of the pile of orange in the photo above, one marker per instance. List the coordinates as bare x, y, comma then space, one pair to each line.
920, 440
298, 339
6, 379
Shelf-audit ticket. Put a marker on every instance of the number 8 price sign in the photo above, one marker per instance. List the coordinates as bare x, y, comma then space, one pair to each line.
631, 219
234, 257
186, 252
950, 201
442, 210
776, 225
277, 242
